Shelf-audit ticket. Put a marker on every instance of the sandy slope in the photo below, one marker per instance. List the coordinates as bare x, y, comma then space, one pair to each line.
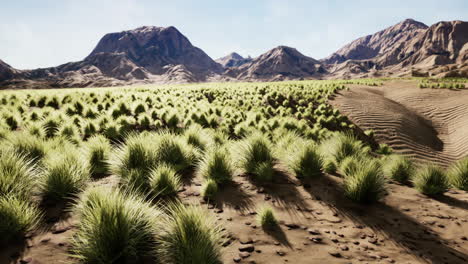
429, 124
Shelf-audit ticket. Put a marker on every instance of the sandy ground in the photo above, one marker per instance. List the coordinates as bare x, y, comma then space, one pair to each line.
428, 124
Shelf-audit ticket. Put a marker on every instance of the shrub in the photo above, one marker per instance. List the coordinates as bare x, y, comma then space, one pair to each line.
18, 175
164, 181
305, 161
366, 183
51, 125
17, 217
30, 146
97, 151
190, 235
266, 217
114, 227
458, 174
173, 151
342, 145
216, 165
384, 149
398, 168
329, 165
197, 137
430, 179
209, 189
255, 157
65, 174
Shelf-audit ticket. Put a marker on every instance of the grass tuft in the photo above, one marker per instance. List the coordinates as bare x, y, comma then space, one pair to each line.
190, 235
266, 217
458, 174
255, 156
97, 150
365, 183
398, 168
216, 165
430, 180
17, 217
164, 181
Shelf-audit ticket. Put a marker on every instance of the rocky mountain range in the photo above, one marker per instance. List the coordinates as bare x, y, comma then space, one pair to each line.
164, 55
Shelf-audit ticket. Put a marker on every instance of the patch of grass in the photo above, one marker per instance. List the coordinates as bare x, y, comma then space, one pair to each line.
398, 168
31, 147
365, 183
329, 165
18, 175
216, 165
458, 174
255, 156
342, 145
190, 235
430, 180
266, 217
65, 174
173, 151
98, 150
305, 161
114, 227
196, 136
209, 189
164, 181
17, 217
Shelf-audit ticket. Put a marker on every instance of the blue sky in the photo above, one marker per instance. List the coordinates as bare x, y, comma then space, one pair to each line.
48, 33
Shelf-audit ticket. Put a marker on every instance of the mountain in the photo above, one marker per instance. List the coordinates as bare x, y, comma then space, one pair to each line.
164, 55
233, 60
278, 64
407, 48
143, 55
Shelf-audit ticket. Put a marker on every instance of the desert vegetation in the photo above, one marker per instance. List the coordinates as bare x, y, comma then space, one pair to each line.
123, 159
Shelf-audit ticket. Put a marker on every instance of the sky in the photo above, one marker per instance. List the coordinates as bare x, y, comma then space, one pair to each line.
48, 33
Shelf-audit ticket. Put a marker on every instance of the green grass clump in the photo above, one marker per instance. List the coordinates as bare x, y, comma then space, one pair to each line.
430, 180
114, 227
398, 168
173, 151
209, 189
190, 235
17, 217
365, 183
18, 175
342, 145
65, 174
32, 147
329, 165
98, 150
216, 165
305, 161
458, 174
255, 156
266, 217
197, 137
164, 181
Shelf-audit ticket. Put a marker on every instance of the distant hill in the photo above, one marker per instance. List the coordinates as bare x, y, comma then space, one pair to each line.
164, 55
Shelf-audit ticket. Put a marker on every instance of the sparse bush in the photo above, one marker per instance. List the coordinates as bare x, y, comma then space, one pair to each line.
190, 235
17, 217
305, 161
209, 189
216, 165
398, 168
430, 179
114, 227
342, 145
97, 151
164, 181
458, 174
65, 174
18, 175
31, 147
266, 217
255, 157
365, 183
173, 151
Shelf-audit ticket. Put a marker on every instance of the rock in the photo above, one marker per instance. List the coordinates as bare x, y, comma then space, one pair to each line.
334, 253
247, 248
344, 248
334, 240
244, 255
245, 240
26, 260
292, 225
236, 259
313, 231
280, 253
59, 230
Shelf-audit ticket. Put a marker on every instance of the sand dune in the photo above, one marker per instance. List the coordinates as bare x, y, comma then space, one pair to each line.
428, 124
